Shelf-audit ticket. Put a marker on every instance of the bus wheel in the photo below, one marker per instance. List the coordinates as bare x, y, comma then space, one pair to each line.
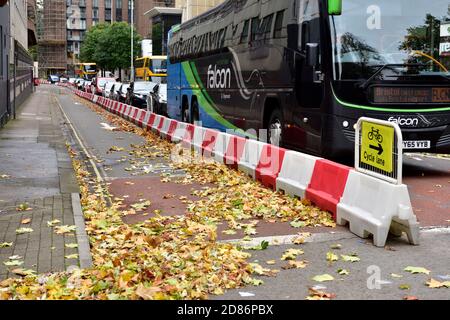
275, 127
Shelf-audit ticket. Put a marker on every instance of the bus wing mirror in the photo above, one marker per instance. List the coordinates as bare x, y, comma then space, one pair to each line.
312, 54
334, 7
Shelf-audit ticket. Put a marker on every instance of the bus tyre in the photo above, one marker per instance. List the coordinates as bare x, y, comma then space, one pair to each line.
275, 127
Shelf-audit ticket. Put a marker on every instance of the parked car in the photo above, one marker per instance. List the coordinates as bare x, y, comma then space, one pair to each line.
87, 86
79, 84
63, 80
121, 92
140, 92
98, 83
113, 90
72, 81
157, 99
107, 88
53, 78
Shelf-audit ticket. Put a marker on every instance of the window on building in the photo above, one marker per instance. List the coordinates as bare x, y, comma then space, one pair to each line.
2, 53
244, 35
95, 13
108, 14
118, 14
107, 4
265, 28
118, 4
278, 24
95, 3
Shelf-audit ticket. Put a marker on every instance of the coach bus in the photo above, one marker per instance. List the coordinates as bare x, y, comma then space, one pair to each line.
151, 68
86, 71
307, 70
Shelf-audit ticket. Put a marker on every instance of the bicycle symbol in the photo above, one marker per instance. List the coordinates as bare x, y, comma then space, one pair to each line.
375, 133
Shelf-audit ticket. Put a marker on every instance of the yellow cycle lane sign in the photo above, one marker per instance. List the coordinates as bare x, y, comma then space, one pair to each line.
377, 143
378, 148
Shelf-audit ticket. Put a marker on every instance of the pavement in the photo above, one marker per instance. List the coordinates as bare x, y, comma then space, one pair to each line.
380, 272
37, 175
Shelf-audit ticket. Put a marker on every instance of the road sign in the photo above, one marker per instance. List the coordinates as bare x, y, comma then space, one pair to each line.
377, 145
379, 149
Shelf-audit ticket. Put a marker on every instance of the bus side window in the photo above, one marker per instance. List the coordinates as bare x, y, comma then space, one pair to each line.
278, 25
255, 28
244, 35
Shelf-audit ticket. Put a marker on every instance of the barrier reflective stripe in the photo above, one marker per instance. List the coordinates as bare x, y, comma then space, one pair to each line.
189, 135
209, 142
179, 132
372, 205
327, 184
269, 165
151, 121
141, 117
250, 157
161, 124
235, 150
172, 128
295, 174
199, 134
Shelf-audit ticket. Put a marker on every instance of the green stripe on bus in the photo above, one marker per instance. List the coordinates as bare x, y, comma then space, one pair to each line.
355, 106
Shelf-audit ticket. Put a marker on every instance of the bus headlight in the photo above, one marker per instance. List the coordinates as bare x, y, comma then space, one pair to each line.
345, 124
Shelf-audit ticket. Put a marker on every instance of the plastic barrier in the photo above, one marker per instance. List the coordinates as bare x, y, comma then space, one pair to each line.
269, 165
250, 157
373, 206
296, 173
368, 204
327, 185
235, 150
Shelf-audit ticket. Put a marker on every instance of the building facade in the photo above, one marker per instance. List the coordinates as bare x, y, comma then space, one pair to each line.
16, 65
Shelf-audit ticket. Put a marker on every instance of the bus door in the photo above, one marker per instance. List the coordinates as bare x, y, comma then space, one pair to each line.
309, 87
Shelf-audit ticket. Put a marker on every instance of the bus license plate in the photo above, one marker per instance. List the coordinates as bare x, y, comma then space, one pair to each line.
424, 144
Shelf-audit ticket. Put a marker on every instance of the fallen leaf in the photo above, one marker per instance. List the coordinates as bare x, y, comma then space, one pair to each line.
141, 206
404, 287
53, 222
15, 257
270, 262
348, 258
332, 257
394, 275
434, 284
415, 270
343, 272
297, 224
23, 272
13, 263
24, 230
315, 294
147, 293
291, 254
323, 277
71, 245
24, 207
6, 244
336, 246
72, 256
229, 232
25, 221
64, 229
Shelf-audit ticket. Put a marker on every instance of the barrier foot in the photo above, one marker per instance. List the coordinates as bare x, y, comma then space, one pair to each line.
412, 230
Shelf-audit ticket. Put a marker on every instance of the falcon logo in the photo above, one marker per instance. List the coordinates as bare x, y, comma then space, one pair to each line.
219, 78
407, 122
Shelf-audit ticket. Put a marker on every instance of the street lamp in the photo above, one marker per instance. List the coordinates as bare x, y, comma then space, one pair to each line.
132, 42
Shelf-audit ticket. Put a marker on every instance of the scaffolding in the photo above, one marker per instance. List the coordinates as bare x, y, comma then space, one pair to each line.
52, 41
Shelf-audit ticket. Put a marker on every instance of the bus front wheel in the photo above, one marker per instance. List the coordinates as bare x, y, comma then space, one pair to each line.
275, 127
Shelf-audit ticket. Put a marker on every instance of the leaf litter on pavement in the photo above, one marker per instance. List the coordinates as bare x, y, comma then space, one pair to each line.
174, 257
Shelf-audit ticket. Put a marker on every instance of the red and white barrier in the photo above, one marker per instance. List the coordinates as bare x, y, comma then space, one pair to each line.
370, 205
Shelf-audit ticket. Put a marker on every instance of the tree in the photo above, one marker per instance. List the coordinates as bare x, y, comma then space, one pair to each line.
109, 45
90, 42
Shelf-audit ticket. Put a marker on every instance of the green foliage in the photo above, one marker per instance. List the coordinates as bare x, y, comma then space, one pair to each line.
109, 45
